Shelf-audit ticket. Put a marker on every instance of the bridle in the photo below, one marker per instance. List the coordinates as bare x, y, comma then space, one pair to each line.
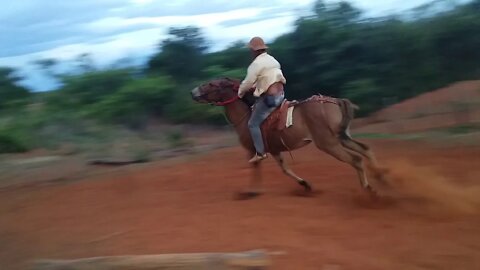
220, 103
224, 103
227, 102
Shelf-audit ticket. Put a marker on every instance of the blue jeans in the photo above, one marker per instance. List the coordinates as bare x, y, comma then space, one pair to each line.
263, 108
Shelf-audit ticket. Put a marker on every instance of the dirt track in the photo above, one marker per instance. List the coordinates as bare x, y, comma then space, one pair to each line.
189, 207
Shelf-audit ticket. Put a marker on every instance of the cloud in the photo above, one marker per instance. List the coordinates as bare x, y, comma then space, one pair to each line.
114, 29
33, 25
27, 12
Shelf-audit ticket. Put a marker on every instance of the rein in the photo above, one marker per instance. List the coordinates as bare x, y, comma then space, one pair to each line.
233, 85
227, 102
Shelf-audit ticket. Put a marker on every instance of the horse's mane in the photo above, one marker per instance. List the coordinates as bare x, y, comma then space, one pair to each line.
249, 99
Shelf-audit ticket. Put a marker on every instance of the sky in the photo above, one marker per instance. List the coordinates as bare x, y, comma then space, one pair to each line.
111, 30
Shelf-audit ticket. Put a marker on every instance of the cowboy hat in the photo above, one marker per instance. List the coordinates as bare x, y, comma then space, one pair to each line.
257, 44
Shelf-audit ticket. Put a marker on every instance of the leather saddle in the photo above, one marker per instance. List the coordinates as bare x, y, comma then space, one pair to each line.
276, 121
278, 118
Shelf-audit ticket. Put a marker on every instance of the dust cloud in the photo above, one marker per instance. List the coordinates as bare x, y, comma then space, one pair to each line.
423, 188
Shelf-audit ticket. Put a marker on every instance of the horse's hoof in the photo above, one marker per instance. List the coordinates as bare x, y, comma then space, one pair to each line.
306, 185
381, 175
384, 181
247, 195
372, 192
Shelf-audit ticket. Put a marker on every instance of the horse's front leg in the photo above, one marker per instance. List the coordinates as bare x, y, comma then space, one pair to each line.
255, 188
287, 171
256, 182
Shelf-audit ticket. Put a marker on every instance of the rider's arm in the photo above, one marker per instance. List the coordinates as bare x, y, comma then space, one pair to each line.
250, 79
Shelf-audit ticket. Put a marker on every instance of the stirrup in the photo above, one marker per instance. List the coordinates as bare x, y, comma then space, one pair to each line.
257, 158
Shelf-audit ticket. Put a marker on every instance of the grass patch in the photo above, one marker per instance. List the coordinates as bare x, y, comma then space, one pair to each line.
175, 138
375, 136
462, 129
385, 136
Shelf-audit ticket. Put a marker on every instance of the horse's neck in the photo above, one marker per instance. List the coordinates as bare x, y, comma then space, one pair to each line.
238, 113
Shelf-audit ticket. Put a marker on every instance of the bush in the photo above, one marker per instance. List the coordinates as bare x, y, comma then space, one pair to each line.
185, 110
134, 102
11, 144
175, 138
90, 87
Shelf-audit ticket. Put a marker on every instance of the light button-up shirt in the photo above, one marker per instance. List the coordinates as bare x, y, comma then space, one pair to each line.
261, 74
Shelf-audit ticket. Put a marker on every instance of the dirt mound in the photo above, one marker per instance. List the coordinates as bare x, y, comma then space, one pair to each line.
455, 104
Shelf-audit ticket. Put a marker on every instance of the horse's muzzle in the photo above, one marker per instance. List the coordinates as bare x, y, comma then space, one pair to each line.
195, 93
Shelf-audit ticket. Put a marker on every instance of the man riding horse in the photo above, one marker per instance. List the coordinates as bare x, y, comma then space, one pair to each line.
321, 119
265, 77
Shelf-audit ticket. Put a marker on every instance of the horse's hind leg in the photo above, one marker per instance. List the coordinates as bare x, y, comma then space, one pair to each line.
364, 150
360, 148
354, 160
286, 170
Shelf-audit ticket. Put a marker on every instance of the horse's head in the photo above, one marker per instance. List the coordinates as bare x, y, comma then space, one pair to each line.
218, 92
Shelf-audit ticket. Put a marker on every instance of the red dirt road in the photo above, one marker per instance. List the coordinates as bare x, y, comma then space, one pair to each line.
178, 207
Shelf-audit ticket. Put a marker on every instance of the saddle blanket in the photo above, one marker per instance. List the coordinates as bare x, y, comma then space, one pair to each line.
289, 121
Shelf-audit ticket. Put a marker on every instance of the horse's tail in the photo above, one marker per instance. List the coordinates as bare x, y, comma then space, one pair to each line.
348, 113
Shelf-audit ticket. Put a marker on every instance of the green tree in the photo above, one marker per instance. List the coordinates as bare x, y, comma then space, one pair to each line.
11, 93
219, 72
235, 56
338, 51
336, 14
181, 56
364, 92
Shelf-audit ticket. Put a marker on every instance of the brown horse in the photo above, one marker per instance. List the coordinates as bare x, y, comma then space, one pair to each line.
323, 119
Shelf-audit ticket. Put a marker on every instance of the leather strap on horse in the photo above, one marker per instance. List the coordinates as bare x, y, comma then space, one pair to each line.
320, 98
286, 146
226, 102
